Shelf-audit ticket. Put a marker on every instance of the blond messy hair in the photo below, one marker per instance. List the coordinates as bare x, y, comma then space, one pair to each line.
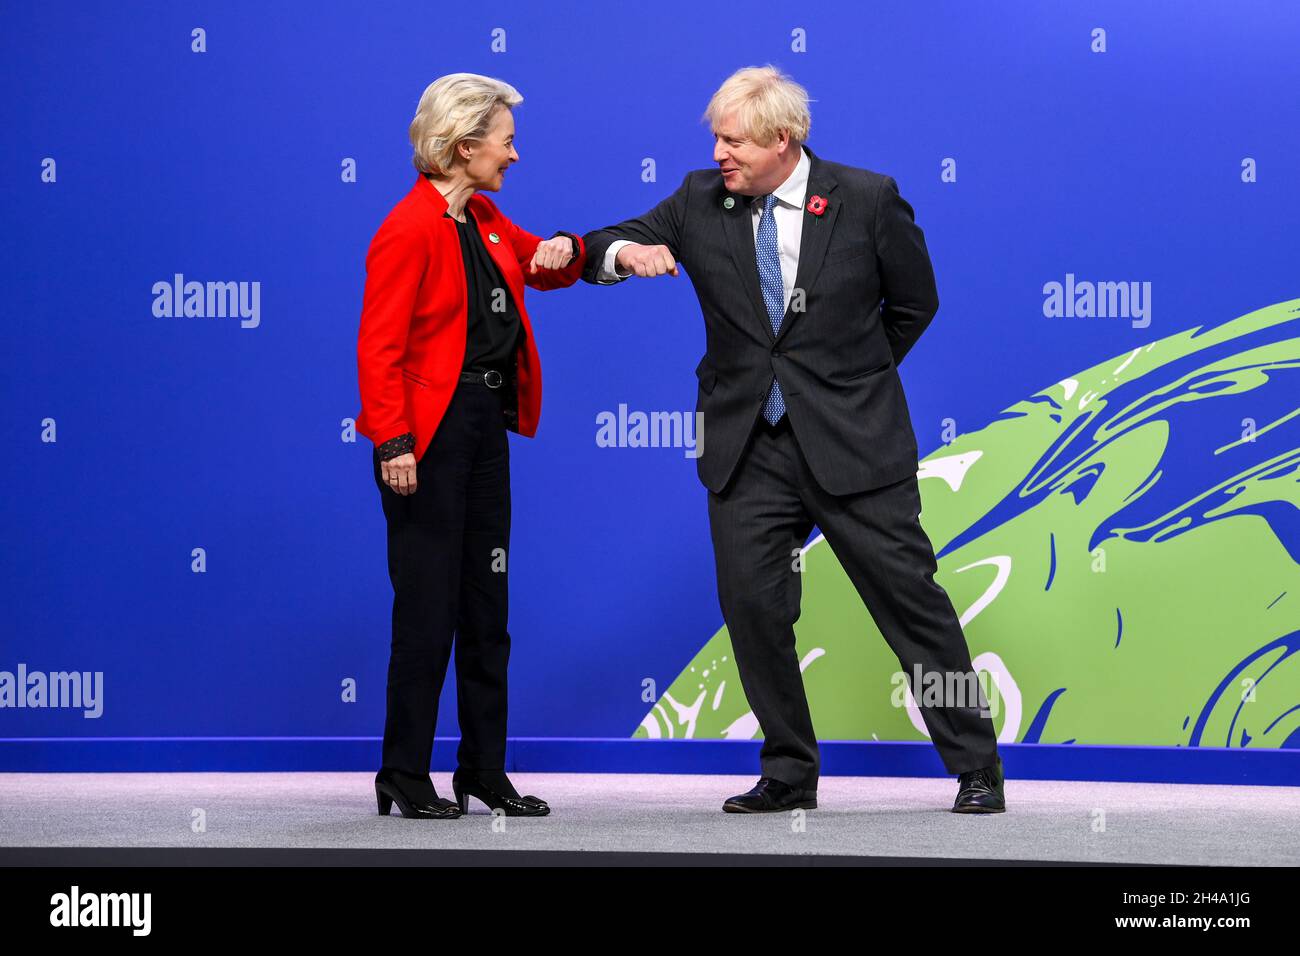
452, 108
765, 102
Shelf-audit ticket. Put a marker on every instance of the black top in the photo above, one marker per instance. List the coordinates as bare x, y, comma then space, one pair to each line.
494, 323
494, 327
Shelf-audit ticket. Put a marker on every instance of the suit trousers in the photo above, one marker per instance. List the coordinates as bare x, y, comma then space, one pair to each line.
759, 522
447, 545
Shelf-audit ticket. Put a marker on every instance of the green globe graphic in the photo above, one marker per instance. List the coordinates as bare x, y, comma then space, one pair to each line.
1122, 548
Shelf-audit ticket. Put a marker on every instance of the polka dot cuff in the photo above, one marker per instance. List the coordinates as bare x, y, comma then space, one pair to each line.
400, 445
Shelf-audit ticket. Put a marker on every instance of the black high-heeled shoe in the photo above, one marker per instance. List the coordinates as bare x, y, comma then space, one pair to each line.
497, 793
411, 797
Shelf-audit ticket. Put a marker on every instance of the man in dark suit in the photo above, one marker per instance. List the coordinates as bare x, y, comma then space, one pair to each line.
814, 281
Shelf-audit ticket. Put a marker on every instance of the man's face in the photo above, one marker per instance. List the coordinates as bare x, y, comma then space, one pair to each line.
748, 169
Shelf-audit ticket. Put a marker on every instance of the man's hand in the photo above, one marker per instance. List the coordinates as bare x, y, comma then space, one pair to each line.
399, 473
646, 261
552, 254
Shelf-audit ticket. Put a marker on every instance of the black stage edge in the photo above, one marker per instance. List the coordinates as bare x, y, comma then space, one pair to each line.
341, 857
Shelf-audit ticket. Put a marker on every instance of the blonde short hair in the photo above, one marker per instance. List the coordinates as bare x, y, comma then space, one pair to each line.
766, 101
452, 108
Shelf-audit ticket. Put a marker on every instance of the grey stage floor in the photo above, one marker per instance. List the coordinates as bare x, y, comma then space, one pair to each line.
867, 816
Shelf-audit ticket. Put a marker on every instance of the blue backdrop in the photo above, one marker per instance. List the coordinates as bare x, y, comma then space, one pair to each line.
183, 433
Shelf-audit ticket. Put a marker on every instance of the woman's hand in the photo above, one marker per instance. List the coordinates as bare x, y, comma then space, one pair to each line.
552, 254
399, 473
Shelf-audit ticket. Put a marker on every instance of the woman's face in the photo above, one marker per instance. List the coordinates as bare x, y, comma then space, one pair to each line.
493, 154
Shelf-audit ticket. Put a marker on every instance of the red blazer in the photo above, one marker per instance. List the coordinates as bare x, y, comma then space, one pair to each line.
414, 322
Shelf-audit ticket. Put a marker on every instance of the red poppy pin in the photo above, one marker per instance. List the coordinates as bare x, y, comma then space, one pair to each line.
817, 205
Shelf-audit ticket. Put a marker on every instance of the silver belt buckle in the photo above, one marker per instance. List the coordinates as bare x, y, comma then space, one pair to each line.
493, 379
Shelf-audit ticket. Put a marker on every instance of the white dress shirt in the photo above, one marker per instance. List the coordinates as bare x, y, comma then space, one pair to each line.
788, 211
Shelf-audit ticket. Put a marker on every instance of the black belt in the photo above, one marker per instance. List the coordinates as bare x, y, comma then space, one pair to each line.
483, 376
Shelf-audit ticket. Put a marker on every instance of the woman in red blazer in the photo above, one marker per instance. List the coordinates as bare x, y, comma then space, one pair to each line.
447, 365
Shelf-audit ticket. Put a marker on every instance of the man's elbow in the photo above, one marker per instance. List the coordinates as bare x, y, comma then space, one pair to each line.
915, 311
931, 306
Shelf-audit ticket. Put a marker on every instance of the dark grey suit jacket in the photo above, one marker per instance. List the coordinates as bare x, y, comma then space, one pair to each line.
867, 293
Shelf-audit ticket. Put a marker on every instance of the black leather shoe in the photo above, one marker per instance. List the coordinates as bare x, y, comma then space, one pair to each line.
493, 788
771, 796
414, 796
980, 791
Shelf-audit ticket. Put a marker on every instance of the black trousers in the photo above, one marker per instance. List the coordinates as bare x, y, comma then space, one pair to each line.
758, 522
447, 546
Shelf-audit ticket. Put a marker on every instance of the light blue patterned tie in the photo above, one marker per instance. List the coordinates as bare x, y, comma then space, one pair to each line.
769, 277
